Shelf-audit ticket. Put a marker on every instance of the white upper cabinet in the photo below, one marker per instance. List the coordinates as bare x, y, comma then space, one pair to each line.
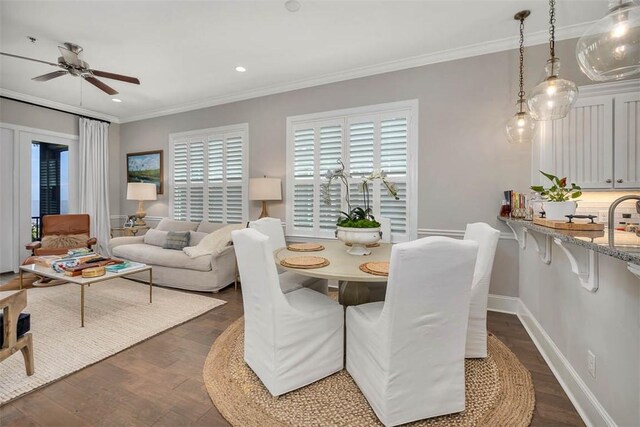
627, 140
597, 145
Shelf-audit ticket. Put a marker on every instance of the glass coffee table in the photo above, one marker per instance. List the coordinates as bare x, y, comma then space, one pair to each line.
84, 281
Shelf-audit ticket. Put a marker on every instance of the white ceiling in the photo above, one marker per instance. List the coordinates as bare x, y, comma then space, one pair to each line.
184, 53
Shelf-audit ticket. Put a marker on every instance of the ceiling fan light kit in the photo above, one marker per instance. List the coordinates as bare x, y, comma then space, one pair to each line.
610, 49
521, 127
73, 65
554, 97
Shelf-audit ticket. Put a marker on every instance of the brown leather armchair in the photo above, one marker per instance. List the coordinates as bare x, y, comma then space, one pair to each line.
76, 227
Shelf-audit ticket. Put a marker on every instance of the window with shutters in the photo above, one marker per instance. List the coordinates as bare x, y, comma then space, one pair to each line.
379, 137
208, 174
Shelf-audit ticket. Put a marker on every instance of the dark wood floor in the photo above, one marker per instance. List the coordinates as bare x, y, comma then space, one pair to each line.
159, 382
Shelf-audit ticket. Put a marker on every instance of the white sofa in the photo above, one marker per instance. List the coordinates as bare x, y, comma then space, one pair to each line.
173, 268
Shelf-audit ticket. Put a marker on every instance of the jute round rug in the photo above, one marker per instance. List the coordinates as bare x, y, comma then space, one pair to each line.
499, 392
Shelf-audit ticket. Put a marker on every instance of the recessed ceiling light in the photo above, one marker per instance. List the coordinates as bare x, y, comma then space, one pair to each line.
116, 100
240, 69
292, 5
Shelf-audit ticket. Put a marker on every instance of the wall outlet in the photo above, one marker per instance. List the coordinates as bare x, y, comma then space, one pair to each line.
591, 363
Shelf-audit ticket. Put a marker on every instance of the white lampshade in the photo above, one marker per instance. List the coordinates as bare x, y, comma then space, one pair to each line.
265, 189
141, 191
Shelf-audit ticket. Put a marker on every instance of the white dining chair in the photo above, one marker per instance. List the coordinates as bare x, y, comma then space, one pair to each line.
487, 239
289, 280
290, 340
406, 354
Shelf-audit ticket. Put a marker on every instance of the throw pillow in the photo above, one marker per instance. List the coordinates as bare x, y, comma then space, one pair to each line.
214, 243
176, 240
155, 237
65, 241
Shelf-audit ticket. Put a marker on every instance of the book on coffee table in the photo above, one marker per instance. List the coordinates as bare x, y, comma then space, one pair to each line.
124, 267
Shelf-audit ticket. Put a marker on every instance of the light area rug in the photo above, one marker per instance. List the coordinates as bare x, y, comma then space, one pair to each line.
117, 316
499, 392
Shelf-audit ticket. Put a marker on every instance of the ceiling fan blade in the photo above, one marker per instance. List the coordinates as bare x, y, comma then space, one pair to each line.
49, 76
103, 87
29, 59
69, 56
113, 76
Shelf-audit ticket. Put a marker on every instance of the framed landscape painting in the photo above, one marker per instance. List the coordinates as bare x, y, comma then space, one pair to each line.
145, 167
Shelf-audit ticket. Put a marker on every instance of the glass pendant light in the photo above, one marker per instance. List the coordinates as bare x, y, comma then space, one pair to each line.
521, 127
610, 49
553, 98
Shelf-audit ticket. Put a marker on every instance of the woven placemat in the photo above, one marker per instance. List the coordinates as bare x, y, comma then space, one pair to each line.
370, 245
305, 262
498, 392
380, 268
305, 247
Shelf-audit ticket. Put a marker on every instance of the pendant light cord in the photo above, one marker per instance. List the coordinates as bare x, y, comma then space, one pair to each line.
552, 28
521, 92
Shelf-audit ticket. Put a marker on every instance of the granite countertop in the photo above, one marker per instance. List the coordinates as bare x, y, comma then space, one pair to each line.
626, 245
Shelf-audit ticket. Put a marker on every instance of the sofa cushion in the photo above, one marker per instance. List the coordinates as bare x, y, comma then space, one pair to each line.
65, 240
155, 237
177, 240
196, 237
209, 227
155, 255
24, 325
167, 224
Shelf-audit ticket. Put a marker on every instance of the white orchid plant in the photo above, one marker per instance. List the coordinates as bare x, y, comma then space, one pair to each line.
358, 216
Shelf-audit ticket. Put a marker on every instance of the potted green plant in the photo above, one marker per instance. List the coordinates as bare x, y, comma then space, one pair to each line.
357, 226
558, 199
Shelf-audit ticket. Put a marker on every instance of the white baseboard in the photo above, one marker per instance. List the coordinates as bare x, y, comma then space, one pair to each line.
589, 408
503, 304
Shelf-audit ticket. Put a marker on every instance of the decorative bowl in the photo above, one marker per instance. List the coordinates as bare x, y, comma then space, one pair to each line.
359, 238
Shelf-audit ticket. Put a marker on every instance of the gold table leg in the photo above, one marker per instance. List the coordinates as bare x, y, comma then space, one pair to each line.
150, 286
82, 306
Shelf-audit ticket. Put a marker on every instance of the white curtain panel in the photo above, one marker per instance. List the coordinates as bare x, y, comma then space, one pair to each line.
94, 179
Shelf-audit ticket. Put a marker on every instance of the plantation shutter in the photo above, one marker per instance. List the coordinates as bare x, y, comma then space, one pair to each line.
303, 174
372, 141
209, 174
393, 160
316, 149
180, 178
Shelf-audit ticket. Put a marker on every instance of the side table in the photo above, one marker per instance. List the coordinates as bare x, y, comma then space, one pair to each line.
127, 231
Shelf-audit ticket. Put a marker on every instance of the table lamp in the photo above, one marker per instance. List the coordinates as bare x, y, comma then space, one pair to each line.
141, 191
264, 189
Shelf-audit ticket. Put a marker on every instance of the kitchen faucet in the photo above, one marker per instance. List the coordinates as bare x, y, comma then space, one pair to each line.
612, 209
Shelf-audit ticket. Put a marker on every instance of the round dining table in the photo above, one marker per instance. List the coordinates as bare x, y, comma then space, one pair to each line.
355, 286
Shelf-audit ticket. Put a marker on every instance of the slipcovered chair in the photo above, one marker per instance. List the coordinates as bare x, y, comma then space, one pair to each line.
290, 340
61, 233
487, 239
14, 329
289, 281
406, 354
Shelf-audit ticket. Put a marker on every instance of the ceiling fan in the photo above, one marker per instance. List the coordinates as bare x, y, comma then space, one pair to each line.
71, 64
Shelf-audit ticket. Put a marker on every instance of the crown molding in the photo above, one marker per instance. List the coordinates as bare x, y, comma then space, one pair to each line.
533, 39
58, 105
610, 88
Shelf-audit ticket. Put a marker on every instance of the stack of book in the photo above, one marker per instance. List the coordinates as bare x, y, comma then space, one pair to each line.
124, 267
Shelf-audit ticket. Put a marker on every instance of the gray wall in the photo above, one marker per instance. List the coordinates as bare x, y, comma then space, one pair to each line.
18, 113
464, 157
